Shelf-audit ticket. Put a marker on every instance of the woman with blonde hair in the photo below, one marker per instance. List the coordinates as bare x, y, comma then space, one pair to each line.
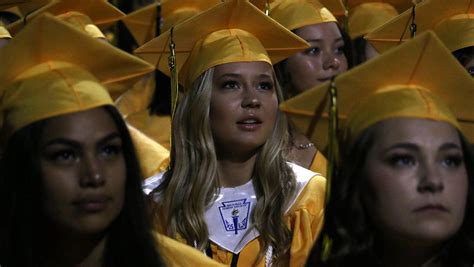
229, 190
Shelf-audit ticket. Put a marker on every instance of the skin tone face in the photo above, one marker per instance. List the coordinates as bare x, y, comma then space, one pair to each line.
317, 64
419, 181
83, 171
243, 112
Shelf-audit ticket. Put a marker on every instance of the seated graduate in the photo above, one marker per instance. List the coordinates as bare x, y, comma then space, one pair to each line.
230, 190
70, 180
403, 193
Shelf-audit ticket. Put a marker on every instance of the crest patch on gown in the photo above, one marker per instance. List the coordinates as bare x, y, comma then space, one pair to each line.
235, 215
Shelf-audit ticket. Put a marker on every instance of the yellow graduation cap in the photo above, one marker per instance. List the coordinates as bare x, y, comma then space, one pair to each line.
53, 70
232, 31
419, 79
100, 12
294, 14
142, 22
453, 23
365, 16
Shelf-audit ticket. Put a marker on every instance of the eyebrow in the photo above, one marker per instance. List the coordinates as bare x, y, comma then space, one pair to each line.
448, 146
236, 75
319, 40
411, 146
75, 144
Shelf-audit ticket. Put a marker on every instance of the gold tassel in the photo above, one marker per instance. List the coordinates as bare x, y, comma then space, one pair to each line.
174, 84
332, 137
413, 24
333, 155
267, 8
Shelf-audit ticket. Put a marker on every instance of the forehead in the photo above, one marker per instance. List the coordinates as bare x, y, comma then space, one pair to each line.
254, 67
85, 126
321, 31
423, 132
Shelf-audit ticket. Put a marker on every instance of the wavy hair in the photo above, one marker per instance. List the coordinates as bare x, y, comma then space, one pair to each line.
351, 229
191, 183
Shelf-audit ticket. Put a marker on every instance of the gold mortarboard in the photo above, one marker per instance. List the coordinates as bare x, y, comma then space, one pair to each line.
369, 15
452, 21
294, 14
142, 23
233, 31
419, 79
101, 13
50, 60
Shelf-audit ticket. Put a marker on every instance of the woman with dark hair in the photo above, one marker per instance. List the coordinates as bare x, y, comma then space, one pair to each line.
403, 194
230, 190
70, 180
328, 56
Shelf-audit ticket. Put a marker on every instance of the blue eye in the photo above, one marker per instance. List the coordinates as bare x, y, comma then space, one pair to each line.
402, 160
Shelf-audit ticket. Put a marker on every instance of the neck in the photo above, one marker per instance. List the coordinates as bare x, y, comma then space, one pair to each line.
409, 255
233, 172
74, 251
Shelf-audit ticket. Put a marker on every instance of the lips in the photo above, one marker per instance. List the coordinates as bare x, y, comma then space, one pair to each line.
249, 123
92, 203
432, 207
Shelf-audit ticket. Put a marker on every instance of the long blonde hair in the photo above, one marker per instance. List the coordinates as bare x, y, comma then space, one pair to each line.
191, 183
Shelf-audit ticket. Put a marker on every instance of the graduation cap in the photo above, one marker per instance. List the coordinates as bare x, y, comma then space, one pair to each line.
51, 60
452, 21
294, 14
142, 22
232, 31
367, 15
100, 12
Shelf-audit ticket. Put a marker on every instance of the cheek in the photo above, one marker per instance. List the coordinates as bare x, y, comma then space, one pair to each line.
58, 190
392, 193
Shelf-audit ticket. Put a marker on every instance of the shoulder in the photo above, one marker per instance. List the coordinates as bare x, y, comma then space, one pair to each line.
175, 253
309, 192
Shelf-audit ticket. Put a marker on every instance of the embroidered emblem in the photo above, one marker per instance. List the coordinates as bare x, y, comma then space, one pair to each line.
235, 215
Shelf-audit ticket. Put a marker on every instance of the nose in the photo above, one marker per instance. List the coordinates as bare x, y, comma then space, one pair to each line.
430, 180
331, 61
250, 99
91, 175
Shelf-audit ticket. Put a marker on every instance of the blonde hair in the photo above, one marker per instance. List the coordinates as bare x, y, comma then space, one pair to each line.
191, 183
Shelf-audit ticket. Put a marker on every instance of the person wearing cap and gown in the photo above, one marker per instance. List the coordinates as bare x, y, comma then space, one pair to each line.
88, 16
403, 192
326, 57
365, 16
147, 106
69, 164
230, 190
452, 21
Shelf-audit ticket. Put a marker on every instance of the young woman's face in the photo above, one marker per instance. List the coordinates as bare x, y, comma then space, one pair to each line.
83, 171
244, 106
317, 64
416, 171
